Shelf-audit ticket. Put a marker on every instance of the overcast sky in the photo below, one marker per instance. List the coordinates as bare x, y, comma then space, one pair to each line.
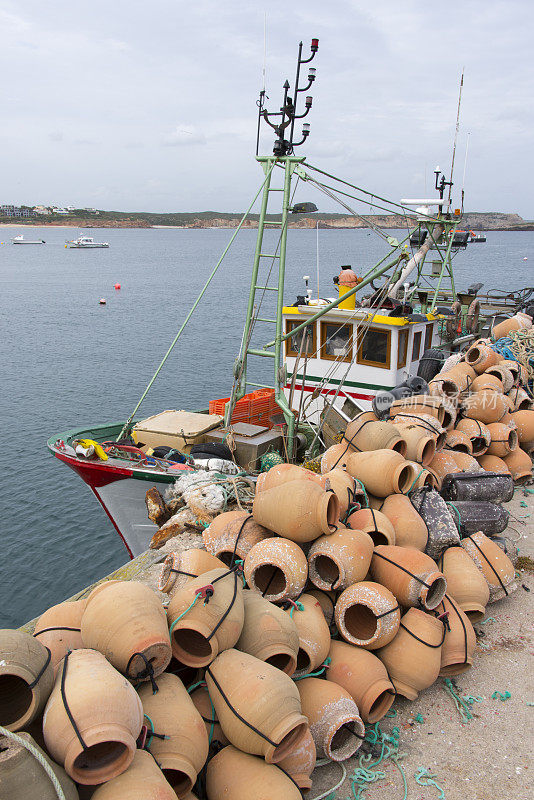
132, 105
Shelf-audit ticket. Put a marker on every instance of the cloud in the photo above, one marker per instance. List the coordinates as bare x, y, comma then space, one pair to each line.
55, 136
184, 136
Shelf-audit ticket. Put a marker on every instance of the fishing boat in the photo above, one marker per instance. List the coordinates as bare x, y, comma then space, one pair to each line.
86, 243
329, 357
21, 240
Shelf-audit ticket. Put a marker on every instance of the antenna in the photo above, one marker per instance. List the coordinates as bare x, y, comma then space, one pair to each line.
261, 100
456, 132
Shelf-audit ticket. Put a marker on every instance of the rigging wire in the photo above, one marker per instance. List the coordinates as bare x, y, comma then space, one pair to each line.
456, 132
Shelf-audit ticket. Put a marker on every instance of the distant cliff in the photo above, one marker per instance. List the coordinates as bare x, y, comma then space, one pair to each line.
479, 221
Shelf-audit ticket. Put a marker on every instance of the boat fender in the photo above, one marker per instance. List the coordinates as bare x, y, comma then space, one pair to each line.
473, 313
86, 444
455, 320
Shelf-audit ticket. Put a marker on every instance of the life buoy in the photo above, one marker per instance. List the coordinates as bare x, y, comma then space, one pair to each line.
473, 313
452, 323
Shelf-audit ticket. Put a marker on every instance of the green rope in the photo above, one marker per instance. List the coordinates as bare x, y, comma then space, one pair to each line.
195, 304
366, 499
453, 506
197, 596
195, 686
485, 621
415, 481
322, 669
463, 704
366, 773
501, 696
424, 778
297, 606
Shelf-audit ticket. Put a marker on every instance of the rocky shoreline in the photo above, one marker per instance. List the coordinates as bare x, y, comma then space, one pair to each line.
479, 221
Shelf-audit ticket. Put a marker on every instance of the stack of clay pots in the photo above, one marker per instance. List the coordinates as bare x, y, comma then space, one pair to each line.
297, 625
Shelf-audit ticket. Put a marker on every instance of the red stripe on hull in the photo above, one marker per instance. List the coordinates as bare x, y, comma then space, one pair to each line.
95, 474
357, 395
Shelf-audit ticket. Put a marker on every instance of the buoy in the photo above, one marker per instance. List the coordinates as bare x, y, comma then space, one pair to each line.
525, 258
102, 301
117, 286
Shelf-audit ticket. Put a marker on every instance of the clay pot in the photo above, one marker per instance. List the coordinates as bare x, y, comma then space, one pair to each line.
26, 678
486, 406
59, 629
503, 439
337, 561
364, 677
449, 384
108, 716
366, 435
424, 422
505, 375
410, 528
126, 622
413, 664
514, 367
465, 582
143, 780
335, 457
420, 443
485, 381
327, 601
375, 524
348, 492
240, 776
419, 404
519, 464
412, 576
493, 464
204, 706
277, 569
232, 534
459, 642
514, 323
264, 696
200, 632
482, 356
367, 615
333, 717
382, 472
23, 777
452, 461
424, 477
284, 473
172, 712
298, 510
521, 399
459, 441
301, 762
180, 568
313, 634
478, 434
494, 564
525, 425
268, 633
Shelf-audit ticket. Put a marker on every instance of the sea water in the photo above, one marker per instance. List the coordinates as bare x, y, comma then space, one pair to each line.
68, 362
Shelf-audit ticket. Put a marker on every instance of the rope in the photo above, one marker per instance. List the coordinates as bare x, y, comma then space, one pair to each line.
235, 712
56, 628
171, 629
424, 778
38, 756
322, 669
330, 794
422, 641
66, 705
489, 564
463, 704
193, 307
147, 672
34, 683
407, 571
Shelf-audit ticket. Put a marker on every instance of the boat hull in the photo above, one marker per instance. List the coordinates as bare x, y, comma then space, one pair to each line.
119, 489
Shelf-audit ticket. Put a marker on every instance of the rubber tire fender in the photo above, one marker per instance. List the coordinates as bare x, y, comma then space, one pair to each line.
430, 364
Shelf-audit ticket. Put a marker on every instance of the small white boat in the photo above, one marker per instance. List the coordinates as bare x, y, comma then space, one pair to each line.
21, 240
86, 242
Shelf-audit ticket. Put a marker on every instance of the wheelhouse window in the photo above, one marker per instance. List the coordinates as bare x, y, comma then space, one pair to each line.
428, 336
294, 343
403, 348
336, 341
374, 348
416, 345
